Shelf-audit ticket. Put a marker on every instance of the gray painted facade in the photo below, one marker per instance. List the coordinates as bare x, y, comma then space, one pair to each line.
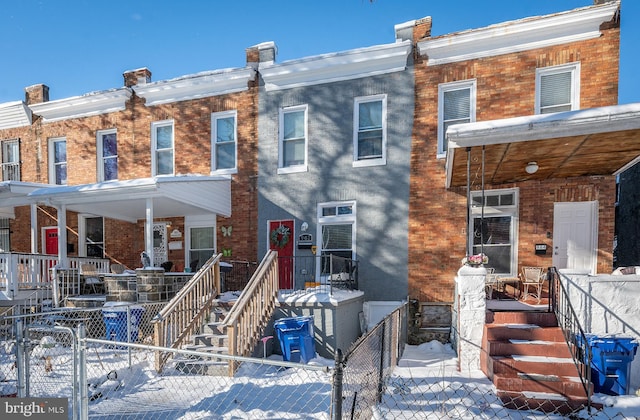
380, 193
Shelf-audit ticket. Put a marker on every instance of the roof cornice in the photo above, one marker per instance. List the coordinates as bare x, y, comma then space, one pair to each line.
518, 35
345, 65
200, 85
94, 103
14, 114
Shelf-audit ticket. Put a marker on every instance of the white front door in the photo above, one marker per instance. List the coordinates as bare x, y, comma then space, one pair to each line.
575, 235
160, 254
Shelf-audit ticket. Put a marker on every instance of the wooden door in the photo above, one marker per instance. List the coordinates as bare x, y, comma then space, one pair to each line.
282, 239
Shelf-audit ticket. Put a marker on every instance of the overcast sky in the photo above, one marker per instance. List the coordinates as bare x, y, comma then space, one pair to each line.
81, 46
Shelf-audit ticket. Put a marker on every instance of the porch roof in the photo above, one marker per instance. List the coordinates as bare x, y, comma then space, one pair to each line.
15, 193
590, 142
173, 196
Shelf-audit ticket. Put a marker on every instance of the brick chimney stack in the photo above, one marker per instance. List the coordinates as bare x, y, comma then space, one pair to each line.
36, 94
137, 77
264, 52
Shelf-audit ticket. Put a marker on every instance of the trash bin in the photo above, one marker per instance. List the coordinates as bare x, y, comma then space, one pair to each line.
115, 321
296, 338
611, 358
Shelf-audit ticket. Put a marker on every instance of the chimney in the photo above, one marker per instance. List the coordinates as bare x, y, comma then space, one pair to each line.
264, 52
137, 77
36, 94
414, 30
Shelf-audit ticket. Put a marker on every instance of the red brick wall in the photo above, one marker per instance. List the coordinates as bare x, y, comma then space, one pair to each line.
505, 88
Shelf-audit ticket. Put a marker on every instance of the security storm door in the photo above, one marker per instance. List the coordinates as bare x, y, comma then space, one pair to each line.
160, 254
575, 235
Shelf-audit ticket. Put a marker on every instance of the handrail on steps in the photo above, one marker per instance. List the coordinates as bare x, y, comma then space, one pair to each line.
560, 304
250, 315
188, 311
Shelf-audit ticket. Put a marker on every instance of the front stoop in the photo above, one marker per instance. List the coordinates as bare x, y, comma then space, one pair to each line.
214, 340
526, 357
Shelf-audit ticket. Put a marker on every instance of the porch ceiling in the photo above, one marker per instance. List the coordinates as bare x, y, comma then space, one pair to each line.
127, 200
591, 142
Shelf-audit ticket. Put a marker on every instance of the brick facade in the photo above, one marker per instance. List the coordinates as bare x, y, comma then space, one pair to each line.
505, 88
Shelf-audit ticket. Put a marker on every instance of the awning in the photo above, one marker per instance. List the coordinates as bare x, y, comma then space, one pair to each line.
14, 194
172, 196
589, 142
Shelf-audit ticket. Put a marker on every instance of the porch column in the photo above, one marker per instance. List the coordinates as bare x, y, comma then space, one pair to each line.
34, 228
470, 306
148, 230
62, 236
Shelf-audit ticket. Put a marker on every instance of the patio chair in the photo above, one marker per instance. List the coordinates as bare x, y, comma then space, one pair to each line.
117, 268
490, 282
90, 279
532, 277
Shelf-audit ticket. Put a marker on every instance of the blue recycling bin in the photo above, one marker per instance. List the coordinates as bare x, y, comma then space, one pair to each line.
296, 338
611, 358
115, 316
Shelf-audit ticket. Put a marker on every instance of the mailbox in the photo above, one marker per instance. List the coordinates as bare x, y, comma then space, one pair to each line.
541, 249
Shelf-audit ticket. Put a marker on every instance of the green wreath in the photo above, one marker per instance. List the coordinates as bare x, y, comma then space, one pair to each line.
280, 236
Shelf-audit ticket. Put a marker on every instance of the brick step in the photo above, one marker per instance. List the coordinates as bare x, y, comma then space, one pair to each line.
528, 348
544, 402
542, 319
568, 387
541, 365
502, 332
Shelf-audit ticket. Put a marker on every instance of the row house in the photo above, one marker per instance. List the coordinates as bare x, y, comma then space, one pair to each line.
402, 157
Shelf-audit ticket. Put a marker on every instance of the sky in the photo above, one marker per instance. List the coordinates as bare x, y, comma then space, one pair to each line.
81, 46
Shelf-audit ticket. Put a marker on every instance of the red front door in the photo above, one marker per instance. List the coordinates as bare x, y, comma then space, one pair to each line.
282, 239
51, 241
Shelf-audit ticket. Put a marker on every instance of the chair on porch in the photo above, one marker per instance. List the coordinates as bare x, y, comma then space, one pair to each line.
91, 281
532, 277
117, 268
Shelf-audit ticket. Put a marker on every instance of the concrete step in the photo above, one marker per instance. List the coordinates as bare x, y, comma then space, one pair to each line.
214, 328
203, 367
217, 340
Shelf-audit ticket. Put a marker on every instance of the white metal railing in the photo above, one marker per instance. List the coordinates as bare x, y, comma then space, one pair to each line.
20, 271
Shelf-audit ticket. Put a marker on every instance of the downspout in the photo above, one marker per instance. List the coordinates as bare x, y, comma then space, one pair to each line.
468, 200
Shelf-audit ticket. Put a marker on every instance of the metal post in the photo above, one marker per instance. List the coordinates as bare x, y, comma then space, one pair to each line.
338, 374
20, 359
469, 252
81, 374
129, 333
381, 364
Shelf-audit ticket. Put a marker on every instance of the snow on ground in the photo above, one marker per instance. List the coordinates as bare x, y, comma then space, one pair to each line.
425, 384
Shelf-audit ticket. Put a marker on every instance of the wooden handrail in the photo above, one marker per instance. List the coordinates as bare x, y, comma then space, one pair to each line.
249, 316
187, 312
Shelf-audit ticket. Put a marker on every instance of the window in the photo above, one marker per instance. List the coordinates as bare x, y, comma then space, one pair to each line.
58, 161
201, 245
336, 228
223, 143
293, 140
5, 245
456, 105
495, 231
557, 88
91, 236
370, 131
11, 160
162, 143
107, 155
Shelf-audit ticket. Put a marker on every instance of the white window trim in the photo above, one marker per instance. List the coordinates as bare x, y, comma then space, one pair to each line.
198, 222
154, 150
495, 211
337, 220
574, 69
6, 164
356, 125
447, 87
214, 149
295, 168
100, 150
52, 163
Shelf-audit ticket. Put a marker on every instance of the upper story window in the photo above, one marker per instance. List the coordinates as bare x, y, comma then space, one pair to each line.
10, 160
107, 142
456, 105
224, 141
162, 155
292, 156
370, 131
558, 88
58, 161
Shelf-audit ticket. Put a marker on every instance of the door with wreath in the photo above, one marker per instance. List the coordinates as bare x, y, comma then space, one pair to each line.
281, 239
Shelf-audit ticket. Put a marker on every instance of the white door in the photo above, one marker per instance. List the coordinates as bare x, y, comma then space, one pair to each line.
160, 254
575, 235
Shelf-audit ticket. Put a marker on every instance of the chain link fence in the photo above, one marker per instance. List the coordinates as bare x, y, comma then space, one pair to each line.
108, 373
